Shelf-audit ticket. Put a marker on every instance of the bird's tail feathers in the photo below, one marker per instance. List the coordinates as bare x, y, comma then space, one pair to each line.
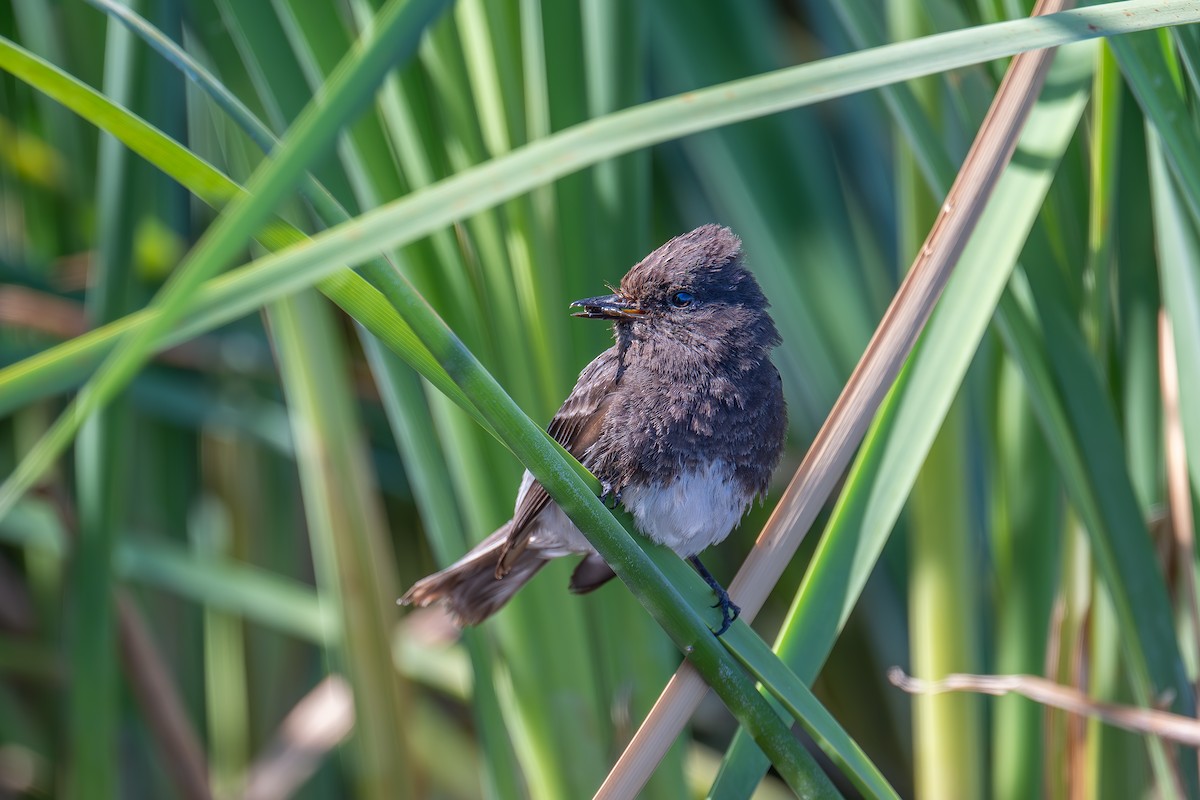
469, 587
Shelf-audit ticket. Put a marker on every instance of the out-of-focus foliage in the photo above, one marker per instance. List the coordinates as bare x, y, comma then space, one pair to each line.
210, 573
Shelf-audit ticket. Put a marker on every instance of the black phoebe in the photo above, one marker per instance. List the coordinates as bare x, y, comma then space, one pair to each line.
682, 420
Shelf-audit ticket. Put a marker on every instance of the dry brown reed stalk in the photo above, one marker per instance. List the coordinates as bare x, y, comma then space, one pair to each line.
1179, 496
1150, 721
315, 726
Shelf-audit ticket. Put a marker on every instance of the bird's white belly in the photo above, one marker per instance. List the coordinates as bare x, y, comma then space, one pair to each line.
695, 511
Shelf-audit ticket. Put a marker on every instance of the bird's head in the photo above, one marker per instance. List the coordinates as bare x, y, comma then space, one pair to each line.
694, 287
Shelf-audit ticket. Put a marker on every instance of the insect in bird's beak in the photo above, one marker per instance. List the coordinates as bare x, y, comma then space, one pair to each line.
609, 306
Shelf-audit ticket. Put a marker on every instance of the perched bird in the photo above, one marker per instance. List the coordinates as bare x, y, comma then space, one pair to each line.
682, 420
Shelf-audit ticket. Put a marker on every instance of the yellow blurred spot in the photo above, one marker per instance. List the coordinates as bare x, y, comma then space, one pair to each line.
31, 158
156, 249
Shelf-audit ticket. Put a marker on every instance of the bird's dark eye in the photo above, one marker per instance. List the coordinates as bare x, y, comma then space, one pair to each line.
681, 299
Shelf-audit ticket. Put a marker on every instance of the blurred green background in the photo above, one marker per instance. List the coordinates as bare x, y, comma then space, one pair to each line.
193, 590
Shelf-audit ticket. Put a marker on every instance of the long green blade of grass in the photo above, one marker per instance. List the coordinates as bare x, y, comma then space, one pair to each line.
414, 432
1145, 66
1176, 238
1108, 507
944, 617
101, 464
350, 551
944, 620
799, 701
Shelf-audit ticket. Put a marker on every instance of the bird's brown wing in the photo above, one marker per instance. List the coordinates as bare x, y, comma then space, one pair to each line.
576, 426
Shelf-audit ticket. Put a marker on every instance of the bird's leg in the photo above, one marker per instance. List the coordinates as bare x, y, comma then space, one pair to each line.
729, 609
609, 496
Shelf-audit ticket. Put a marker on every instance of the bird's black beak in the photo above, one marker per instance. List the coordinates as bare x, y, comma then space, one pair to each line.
610, 306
